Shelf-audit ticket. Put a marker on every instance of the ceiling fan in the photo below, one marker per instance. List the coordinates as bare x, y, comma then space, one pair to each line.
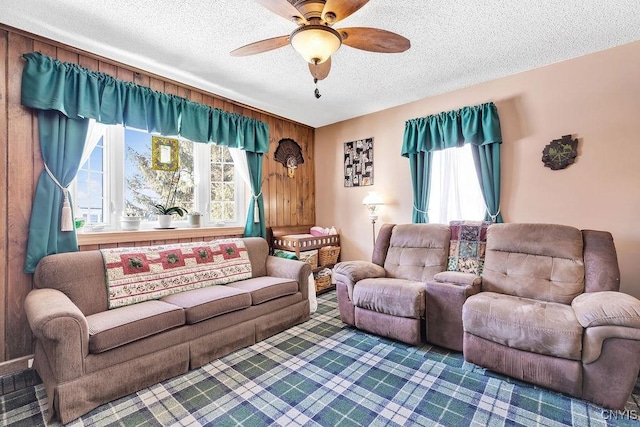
315, 38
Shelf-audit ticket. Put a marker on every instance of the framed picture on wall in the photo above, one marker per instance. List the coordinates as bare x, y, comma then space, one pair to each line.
358, 163
164, 154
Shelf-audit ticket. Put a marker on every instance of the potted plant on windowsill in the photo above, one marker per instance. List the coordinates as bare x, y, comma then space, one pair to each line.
193, 219
166, 213
168, 209
130, 222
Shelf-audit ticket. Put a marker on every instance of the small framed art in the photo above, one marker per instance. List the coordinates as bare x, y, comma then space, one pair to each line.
358, 163
164, 154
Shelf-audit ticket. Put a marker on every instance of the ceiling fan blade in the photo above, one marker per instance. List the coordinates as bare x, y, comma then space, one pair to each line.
284, 9
374, 40
320, 71
261, 46
337, 10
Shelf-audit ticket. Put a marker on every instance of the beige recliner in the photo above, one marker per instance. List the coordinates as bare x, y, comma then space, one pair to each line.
549, 313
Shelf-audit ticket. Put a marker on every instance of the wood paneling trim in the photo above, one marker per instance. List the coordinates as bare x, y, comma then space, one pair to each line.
20, 167
4, 135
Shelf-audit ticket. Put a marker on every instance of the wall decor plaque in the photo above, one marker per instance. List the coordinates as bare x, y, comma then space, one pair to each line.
358, 163
560, 153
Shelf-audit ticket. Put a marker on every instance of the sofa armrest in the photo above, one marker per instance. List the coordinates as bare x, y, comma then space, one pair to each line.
458, 278
607, 308
351, 272
290, 269
63, 330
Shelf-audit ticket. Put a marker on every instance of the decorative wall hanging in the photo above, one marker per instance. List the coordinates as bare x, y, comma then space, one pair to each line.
164, 154
289, 154
560, 153
358, 163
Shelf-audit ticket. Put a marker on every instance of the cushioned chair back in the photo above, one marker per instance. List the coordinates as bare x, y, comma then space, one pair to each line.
417, 251
538, 261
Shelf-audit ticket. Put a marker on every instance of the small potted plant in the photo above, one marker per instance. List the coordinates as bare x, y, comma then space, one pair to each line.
130, 222
166, 211
193, 219
165, 214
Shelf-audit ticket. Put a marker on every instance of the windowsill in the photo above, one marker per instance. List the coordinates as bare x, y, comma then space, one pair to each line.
104, 237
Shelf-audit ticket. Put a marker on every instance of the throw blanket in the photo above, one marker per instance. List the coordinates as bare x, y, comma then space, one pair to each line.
467, 246
142, 273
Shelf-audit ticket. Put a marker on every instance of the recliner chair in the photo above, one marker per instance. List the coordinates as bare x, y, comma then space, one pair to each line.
549, 313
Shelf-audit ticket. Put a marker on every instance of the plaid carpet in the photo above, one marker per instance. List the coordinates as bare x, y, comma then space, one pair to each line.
323, 373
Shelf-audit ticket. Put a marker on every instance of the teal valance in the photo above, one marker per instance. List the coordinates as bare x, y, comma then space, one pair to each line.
478, 125
77, 92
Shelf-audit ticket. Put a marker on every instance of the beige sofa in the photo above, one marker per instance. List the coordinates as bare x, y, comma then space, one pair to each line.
544, 308
87, 354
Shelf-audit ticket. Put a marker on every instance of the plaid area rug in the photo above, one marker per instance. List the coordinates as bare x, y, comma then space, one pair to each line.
323, 373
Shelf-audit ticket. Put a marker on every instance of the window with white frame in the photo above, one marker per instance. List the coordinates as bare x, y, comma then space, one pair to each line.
455, 191
117, 179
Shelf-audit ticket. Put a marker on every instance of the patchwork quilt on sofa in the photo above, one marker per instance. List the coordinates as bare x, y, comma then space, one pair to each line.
138, 274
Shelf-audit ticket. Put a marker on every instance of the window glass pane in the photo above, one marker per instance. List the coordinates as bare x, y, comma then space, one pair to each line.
455, 192
229, 212
223, 191
146, 187
90, 191
216, 172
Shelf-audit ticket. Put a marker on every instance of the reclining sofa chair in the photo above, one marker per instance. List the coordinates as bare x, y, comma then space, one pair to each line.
387, 296
549, 313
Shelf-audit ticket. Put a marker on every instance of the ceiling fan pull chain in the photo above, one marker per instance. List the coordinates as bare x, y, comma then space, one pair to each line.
315, 80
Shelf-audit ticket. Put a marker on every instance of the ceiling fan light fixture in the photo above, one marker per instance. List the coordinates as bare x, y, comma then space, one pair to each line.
316, 43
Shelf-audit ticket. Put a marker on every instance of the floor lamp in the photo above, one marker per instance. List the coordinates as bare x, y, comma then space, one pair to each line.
372, 201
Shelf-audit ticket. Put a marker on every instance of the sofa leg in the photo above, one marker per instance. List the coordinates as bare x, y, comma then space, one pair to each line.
609, 380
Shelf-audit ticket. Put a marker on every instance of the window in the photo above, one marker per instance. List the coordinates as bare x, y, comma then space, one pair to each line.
117, 178
90, 195
455, 191
223, 178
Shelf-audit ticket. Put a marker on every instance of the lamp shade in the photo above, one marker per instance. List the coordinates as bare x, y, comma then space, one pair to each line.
373, 198
316, 43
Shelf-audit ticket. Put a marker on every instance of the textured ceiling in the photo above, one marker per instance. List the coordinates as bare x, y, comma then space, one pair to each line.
454, 44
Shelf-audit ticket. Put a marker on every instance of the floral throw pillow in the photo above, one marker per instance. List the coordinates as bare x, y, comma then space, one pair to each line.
467, 246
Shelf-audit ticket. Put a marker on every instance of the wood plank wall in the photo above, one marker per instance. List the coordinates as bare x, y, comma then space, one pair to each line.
287, 201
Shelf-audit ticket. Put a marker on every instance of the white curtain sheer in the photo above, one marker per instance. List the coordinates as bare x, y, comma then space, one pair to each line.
455, 192
96, 131
242, 167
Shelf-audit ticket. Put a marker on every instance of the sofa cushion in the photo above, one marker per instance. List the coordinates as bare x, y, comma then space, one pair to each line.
397, 297
417, 251
266, 288
205, 303
120, 326
530, 325
539, 261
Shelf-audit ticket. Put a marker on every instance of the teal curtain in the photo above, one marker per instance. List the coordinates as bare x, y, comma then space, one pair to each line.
75, 94
61, 140
255, 219
478, 125
420, 164
487, 161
